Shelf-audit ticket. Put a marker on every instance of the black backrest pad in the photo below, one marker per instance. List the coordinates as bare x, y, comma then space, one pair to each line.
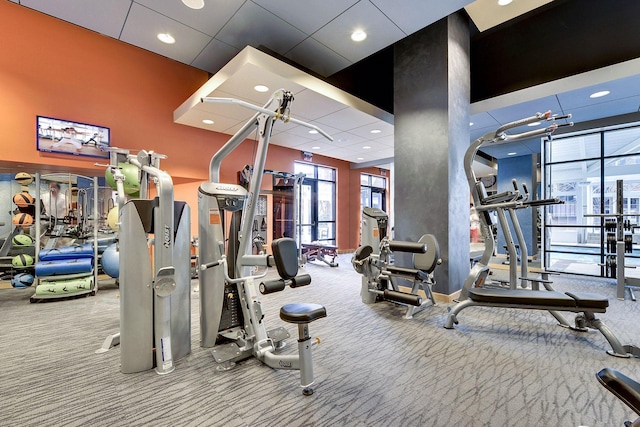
285, 254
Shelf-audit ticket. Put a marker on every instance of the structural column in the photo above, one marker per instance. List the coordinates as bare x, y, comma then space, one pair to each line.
431, 110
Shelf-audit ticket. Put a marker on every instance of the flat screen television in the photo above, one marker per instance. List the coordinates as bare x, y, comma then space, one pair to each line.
68, 137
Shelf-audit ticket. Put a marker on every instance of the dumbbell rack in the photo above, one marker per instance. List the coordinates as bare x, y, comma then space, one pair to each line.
617, 244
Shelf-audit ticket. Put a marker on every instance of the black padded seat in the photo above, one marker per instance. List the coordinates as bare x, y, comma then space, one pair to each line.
623, 387
302, 312
587, 300
522, 297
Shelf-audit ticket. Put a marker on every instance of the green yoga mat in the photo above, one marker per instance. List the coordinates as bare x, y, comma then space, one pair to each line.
69, 286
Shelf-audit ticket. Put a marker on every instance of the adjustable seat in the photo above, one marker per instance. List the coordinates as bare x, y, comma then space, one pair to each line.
285, 256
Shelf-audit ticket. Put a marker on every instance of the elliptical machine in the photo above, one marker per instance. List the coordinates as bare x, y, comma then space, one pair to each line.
231, 314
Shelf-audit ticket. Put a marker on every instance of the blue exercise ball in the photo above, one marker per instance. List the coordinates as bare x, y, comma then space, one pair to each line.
111, 261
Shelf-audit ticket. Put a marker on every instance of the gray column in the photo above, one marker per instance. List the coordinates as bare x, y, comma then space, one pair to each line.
431, 109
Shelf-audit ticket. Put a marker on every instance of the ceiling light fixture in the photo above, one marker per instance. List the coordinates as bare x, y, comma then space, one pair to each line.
360, 158
358, 35
166, 38
504, 2
534, 124
208, 121
313, 131
599, 94
376, 131
194, 4
260, 88
513, 153
470, 123
315, 148
366, 147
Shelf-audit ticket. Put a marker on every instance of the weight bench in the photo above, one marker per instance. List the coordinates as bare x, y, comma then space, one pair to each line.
315, 251
585, 304
624, 388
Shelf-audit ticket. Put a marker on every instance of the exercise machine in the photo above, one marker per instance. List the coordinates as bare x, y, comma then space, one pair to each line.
382, 279
618, 243
624, 388
155, 297
474, 294
503, 204
231, 314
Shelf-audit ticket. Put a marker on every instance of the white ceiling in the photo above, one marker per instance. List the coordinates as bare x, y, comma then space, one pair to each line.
315, 35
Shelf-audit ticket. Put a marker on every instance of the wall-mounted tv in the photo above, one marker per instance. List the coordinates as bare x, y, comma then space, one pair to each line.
67, 137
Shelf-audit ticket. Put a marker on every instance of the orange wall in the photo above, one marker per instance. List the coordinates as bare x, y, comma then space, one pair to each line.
51, 68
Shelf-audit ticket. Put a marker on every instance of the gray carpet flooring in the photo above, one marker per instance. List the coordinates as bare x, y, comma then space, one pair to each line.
499, 367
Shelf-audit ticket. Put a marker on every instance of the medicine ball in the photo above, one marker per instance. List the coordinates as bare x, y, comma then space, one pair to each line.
22, 280
23, 199
22, 240
22, 260
22, 220
23, 178
112, 218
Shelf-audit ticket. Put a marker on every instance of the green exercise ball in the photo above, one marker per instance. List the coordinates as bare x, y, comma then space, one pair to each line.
131, 182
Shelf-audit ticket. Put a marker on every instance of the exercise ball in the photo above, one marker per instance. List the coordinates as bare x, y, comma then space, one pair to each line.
22, 260
112, 219
23, 199
22, 220
22, 280
111, 261
23, 178
22, 240
131, 182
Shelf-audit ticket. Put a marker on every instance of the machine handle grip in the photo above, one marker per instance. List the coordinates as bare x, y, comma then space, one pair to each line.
203, 267
271, 286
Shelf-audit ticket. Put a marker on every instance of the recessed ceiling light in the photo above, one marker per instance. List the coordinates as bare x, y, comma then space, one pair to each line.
360, 158
194, 4
366, 147
313, 131
315, 148
534, 124
208, 121
375, 131
260, 88
358, 35
470, 123
513, 153
599, 94
504, 2
166, 38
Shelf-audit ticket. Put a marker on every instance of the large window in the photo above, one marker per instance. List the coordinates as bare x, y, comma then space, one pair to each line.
317, 204
583, 171
373, 190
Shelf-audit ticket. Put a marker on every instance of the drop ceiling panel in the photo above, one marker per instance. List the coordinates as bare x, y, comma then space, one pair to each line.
214, 56
254, 26
347, 119
606, 109
209, 20
106, 17
381, 32
308, 16
312, 106
619, 89
143, 25
413, 15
